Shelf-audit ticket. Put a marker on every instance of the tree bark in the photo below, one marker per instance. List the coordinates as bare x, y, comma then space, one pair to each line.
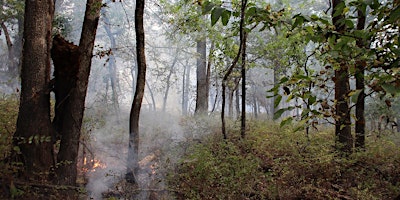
343, 134
34, 129
243, 72
360, 68
72, 123
201, 74
234, 62
133, 148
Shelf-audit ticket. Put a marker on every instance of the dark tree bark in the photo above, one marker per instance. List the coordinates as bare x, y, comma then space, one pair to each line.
65, 57
34, 127
360, 68
230, 68
201, 74
133, 148
72, 122
343, 134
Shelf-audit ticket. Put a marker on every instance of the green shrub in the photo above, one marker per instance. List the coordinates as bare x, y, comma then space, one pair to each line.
277, 163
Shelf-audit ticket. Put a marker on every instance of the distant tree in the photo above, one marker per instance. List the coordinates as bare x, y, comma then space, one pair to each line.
34, 129
133, 148
11, 18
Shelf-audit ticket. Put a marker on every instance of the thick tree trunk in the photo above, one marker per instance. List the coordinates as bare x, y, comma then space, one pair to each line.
133, 149
342, 88
201, 74
360, 68
72, 122
34, 129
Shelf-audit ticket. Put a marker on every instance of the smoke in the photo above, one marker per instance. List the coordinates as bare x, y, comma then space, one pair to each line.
162, 141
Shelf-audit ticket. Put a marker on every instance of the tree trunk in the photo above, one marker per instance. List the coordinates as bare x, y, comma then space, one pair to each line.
342, 88
34, 129
360, 68
153, 100
133, 149
185, 89
243, 72
168, 84
112, 69
201, 74
72, 122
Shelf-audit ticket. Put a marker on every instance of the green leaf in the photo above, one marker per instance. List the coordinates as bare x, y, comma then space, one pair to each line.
278, 113
251, 11
277, 101
207, 7
394, 15
391, 89
216, 14
226, 15
17, 149
354, 95
312, 100
339, 9
286, 121
299, 20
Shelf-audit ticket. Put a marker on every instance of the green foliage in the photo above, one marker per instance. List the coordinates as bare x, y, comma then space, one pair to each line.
8, 118
277, 163
62, 25
11, 9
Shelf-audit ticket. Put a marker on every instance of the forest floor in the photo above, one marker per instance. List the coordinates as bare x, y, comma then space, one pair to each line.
186, 158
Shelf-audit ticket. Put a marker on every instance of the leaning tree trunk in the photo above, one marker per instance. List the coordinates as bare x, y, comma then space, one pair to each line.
342, 88
133, 148
34, 129
360, 118
72, 122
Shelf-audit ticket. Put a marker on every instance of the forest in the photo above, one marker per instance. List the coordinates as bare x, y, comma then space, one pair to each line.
200, 99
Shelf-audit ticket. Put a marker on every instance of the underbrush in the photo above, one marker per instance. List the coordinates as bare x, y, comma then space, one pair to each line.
277, 163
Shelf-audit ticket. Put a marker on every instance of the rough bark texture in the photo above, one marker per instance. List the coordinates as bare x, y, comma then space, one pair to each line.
133, 149
72, 123
360, 118
65, 57
342, 88
201, 74
34, 127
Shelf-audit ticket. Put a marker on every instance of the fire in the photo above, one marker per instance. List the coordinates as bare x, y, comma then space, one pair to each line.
97, 164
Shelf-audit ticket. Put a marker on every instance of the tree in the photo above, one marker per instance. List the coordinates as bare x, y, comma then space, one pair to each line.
202, 77
133, 148
73, 115
11, 15
360, 85
34, 129
342, 88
